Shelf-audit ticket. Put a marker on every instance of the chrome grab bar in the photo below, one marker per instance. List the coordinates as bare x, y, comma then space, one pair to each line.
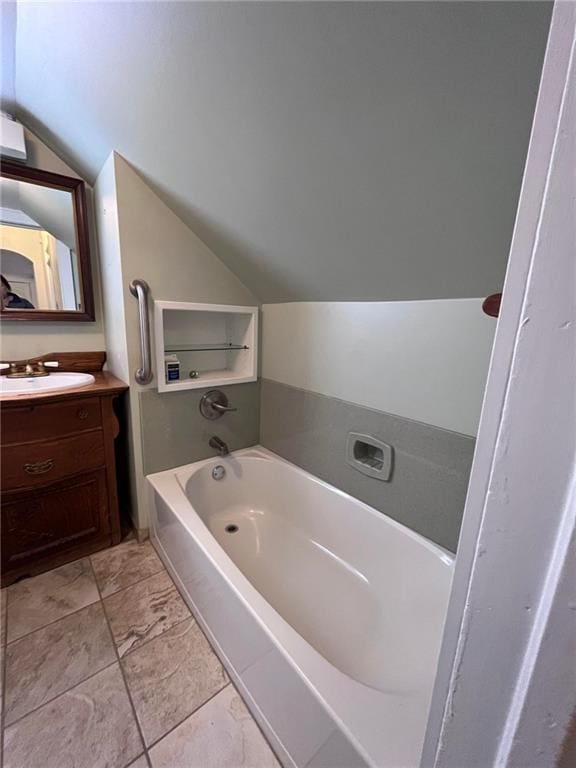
140, 289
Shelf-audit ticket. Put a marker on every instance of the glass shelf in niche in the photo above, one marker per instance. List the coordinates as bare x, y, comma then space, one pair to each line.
206, 347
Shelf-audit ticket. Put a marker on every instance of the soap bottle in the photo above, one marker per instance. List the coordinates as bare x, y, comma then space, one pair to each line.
172, 368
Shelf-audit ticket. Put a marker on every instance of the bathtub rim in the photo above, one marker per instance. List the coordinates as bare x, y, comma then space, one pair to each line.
314, 669
185, 472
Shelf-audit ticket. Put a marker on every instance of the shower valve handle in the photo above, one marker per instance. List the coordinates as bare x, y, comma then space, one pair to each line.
222, 408
214, 404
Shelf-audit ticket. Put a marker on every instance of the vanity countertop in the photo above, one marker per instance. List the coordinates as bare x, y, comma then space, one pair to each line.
105, 384
59, 482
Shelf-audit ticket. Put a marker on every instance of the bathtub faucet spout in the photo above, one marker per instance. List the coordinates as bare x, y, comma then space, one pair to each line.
218, 445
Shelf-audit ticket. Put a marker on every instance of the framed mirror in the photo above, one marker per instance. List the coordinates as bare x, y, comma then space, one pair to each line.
45, 249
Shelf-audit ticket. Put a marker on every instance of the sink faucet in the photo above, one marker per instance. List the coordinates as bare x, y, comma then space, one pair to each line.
28, 368
218, 445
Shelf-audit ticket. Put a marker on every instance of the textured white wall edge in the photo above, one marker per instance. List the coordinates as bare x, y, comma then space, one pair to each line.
141, 237
424, 360
505, 685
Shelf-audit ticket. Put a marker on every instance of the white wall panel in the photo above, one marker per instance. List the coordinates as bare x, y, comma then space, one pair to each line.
424, 360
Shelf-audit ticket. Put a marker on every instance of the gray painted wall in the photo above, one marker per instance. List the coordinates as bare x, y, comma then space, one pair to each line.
175, 433
323, 150
430, 467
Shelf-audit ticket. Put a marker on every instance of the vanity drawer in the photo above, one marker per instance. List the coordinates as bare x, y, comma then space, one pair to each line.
41, 522
33, 464
50, 420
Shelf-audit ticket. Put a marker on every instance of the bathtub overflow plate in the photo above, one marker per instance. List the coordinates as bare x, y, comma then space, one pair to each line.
218, 472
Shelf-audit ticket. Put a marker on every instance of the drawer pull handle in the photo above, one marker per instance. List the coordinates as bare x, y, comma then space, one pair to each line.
39, 467
82, 413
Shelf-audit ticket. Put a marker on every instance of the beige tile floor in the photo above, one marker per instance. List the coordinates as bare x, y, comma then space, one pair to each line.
103, 666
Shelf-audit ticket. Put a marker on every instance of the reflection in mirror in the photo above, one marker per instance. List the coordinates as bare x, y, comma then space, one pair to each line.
38, 258
44, 246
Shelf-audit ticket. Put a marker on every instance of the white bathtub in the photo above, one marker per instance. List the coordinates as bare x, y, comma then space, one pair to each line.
327, 614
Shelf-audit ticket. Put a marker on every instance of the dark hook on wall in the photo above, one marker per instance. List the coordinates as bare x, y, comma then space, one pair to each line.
491, 304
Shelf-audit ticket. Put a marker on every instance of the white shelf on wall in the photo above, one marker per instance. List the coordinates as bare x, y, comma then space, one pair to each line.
219, 342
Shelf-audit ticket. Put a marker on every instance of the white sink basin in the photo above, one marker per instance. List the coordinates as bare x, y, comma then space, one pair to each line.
37, 385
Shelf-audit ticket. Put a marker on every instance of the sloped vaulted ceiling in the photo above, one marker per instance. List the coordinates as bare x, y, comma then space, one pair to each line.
323, 150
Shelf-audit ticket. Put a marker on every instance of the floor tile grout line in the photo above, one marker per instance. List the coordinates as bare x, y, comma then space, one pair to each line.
51, 623
151, 639
119, 661
230, 681
57, 696
77, 610
190, 617
138, 581
165, 570
201, 628
145, 756
100, 598
124, 680
128, 586
190, 714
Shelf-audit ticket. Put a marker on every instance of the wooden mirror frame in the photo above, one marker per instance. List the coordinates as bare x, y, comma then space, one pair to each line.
76, 186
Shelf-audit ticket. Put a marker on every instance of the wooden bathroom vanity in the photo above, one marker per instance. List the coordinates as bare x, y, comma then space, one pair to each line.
59, 487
